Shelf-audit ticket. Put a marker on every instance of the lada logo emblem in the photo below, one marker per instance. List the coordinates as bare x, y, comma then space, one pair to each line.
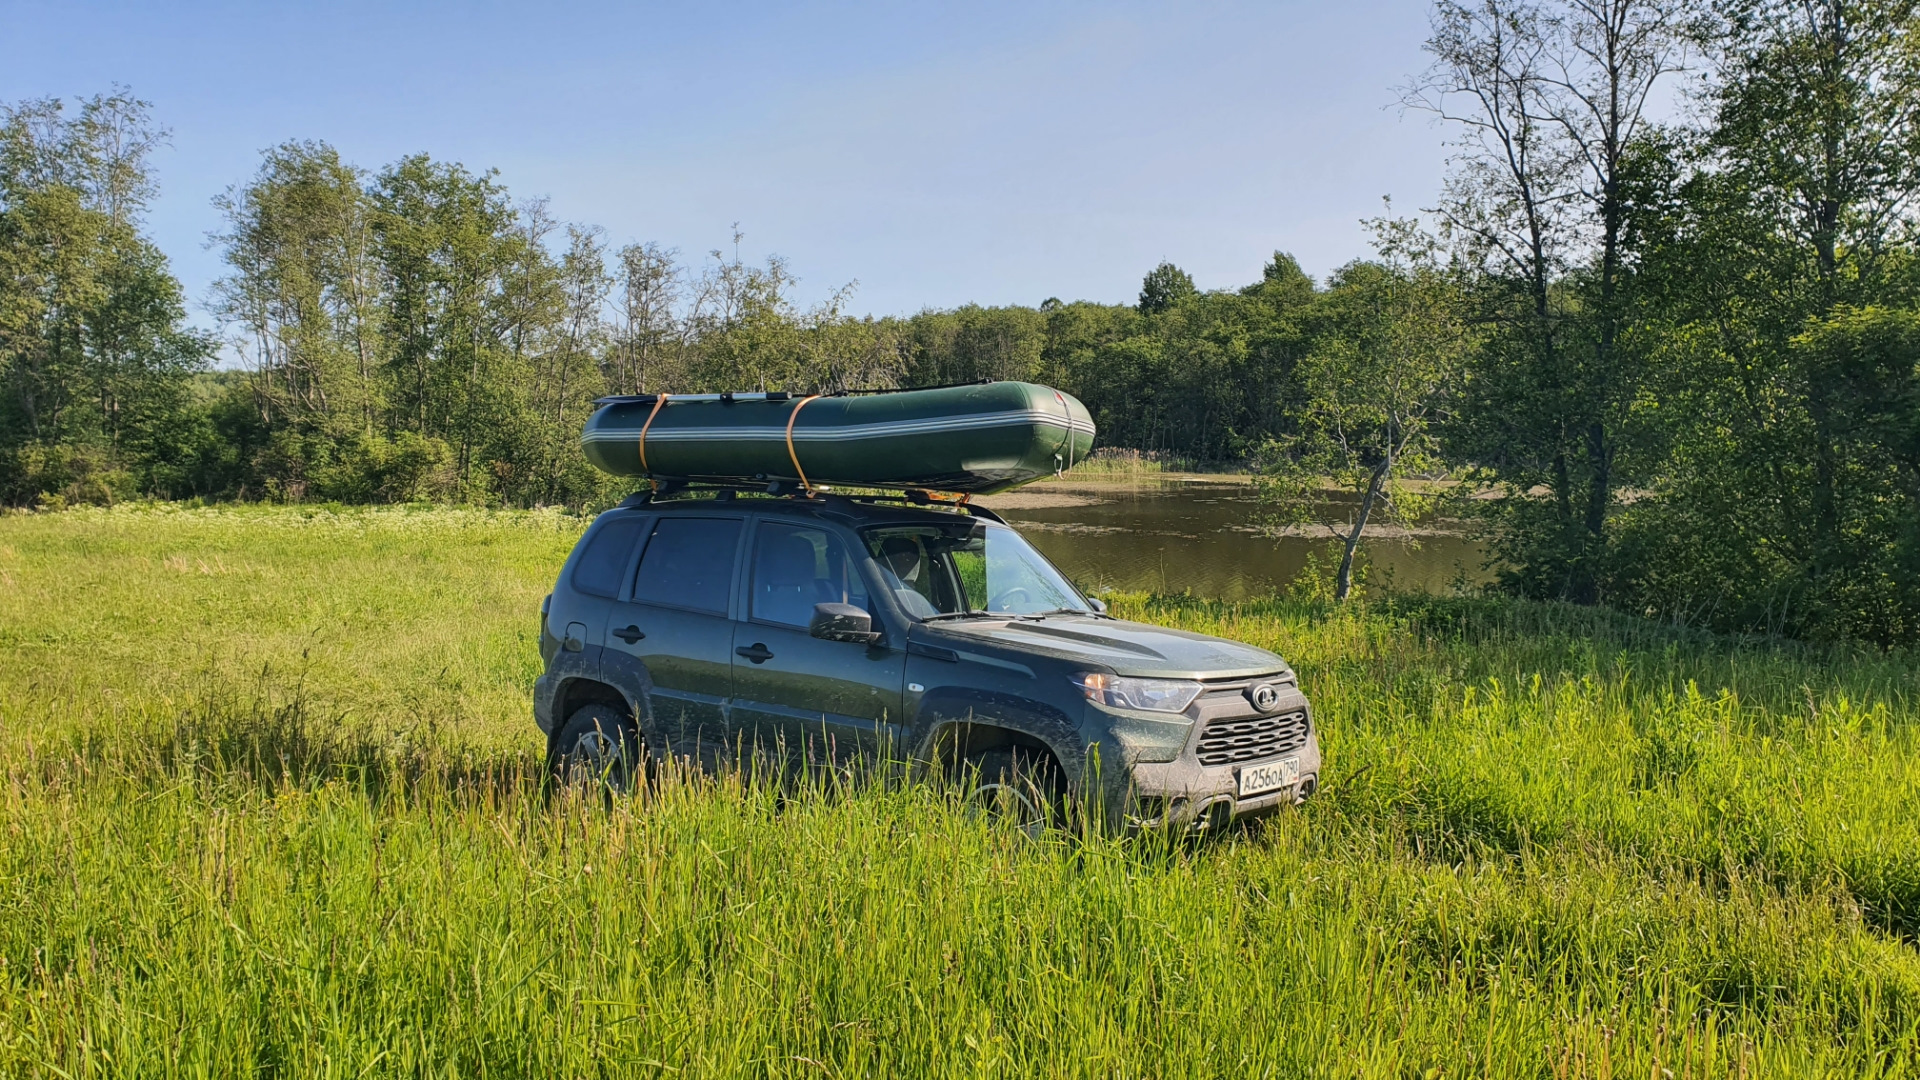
1264, 697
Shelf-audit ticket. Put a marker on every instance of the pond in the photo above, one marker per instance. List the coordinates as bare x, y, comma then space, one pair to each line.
1197, 535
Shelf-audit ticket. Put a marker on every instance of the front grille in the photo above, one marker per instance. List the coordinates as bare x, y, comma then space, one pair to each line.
1223, 690
1250, 738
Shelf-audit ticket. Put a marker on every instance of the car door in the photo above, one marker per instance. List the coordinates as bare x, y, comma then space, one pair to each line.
590, 585
815, 699
675, 625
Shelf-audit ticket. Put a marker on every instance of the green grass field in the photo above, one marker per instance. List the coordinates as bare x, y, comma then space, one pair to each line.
270, 806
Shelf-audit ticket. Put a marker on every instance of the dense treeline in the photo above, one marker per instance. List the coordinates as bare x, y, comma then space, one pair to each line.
96, 369
1673, 320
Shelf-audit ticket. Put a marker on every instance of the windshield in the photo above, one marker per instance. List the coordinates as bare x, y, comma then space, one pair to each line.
970, 566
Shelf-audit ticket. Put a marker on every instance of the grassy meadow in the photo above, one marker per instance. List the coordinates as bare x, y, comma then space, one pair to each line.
269, 804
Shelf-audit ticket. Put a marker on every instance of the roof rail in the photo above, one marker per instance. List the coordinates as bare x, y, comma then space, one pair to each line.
725, 490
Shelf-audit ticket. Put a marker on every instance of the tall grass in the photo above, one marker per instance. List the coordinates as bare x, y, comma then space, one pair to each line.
271, 804
1119, 463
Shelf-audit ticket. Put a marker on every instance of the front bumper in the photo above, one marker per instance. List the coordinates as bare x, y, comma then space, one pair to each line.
1199, 787
1188, 795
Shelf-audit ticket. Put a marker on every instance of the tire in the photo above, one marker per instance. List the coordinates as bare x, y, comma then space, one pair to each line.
1021, 787
598, 747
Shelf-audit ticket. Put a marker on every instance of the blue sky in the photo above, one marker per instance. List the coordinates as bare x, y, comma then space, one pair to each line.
937, 154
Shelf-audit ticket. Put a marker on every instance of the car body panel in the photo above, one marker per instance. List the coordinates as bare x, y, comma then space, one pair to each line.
687, 656
922, 686
1122, 648
817, 698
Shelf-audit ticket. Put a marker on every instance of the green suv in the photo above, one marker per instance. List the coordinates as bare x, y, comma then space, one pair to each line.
720, 625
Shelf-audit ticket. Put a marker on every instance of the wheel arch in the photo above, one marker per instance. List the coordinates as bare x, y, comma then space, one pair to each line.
962, 723
580, 691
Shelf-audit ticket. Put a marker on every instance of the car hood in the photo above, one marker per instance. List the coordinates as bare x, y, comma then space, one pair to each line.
1126, 648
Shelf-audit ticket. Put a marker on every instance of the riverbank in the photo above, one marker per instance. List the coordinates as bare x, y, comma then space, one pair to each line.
270, 803
1207, 536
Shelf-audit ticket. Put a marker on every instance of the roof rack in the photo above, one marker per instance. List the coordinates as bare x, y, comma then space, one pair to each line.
726, 490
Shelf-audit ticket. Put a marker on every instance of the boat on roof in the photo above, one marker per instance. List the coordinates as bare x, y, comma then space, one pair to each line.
977, 439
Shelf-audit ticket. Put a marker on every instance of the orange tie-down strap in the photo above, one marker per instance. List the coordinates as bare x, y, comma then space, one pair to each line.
657, 402
791, 417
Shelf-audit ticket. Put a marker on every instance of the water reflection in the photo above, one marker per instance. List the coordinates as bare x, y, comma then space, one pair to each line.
1197, 537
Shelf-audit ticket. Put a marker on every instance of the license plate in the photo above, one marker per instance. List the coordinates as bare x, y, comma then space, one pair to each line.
1260, 779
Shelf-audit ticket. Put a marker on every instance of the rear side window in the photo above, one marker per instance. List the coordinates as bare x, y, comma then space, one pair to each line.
604, 559
689, 564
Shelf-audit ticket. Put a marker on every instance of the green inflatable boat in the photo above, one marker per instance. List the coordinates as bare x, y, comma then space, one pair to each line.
980, 438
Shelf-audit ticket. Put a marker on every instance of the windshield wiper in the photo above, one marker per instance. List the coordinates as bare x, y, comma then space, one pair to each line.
1069, 611
1012, 614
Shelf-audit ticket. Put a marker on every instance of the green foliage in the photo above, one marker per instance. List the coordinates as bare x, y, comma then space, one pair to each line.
1780, 280
1166, 286
1696, 383
1677, 355
972, 342
393, 321
1390, 346
1733, 539
1206, 378
94, 362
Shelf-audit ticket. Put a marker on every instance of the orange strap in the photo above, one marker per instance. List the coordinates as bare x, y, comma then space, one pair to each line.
1069, 443
791, 417
657, 402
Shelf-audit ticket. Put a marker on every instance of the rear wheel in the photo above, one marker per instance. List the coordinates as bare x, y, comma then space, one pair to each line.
1021, 787
598, 747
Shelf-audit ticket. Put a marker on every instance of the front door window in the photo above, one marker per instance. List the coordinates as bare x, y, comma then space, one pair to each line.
794, 568
795, 695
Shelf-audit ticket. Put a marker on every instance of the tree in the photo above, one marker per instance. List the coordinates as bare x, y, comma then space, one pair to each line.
1779, 274
1818, 123
649, 290
1550, 104
301, 292
1390, 349
463, 289
1165, 286
973, 342
569, 377
1607, 58
94, 359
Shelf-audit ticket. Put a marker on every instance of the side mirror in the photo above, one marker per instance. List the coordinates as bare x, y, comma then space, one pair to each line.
1099, 606
842, 622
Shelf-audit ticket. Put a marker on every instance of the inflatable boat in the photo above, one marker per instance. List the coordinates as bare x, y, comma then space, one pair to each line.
976, 439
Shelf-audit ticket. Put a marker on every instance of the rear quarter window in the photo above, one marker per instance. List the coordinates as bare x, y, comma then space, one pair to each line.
603, 560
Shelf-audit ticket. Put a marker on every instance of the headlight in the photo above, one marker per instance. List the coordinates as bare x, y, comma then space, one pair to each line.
1151, 695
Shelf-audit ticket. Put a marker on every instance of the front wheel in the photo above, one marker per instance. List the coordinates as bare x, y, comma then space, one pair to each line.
1020, 787
598, 747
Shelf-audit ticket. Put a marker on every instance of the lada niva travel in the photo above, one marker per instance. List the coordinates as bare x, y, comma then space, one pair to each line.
716, 624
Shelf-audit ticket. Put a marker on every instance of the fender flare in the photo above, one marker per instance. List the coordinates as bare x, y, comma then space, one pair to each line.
944, 709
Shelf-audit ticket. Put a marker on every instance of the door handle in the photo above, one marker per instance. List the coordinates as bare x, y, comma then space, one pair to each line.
755, 652
630, 634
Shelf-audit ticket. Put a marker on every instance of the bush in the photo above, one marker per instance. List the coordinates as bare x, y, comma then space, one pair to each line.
61, 476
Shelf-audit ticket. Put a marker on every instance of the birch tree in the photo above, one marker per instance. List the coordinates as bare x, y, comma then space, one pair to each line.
1391, 348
